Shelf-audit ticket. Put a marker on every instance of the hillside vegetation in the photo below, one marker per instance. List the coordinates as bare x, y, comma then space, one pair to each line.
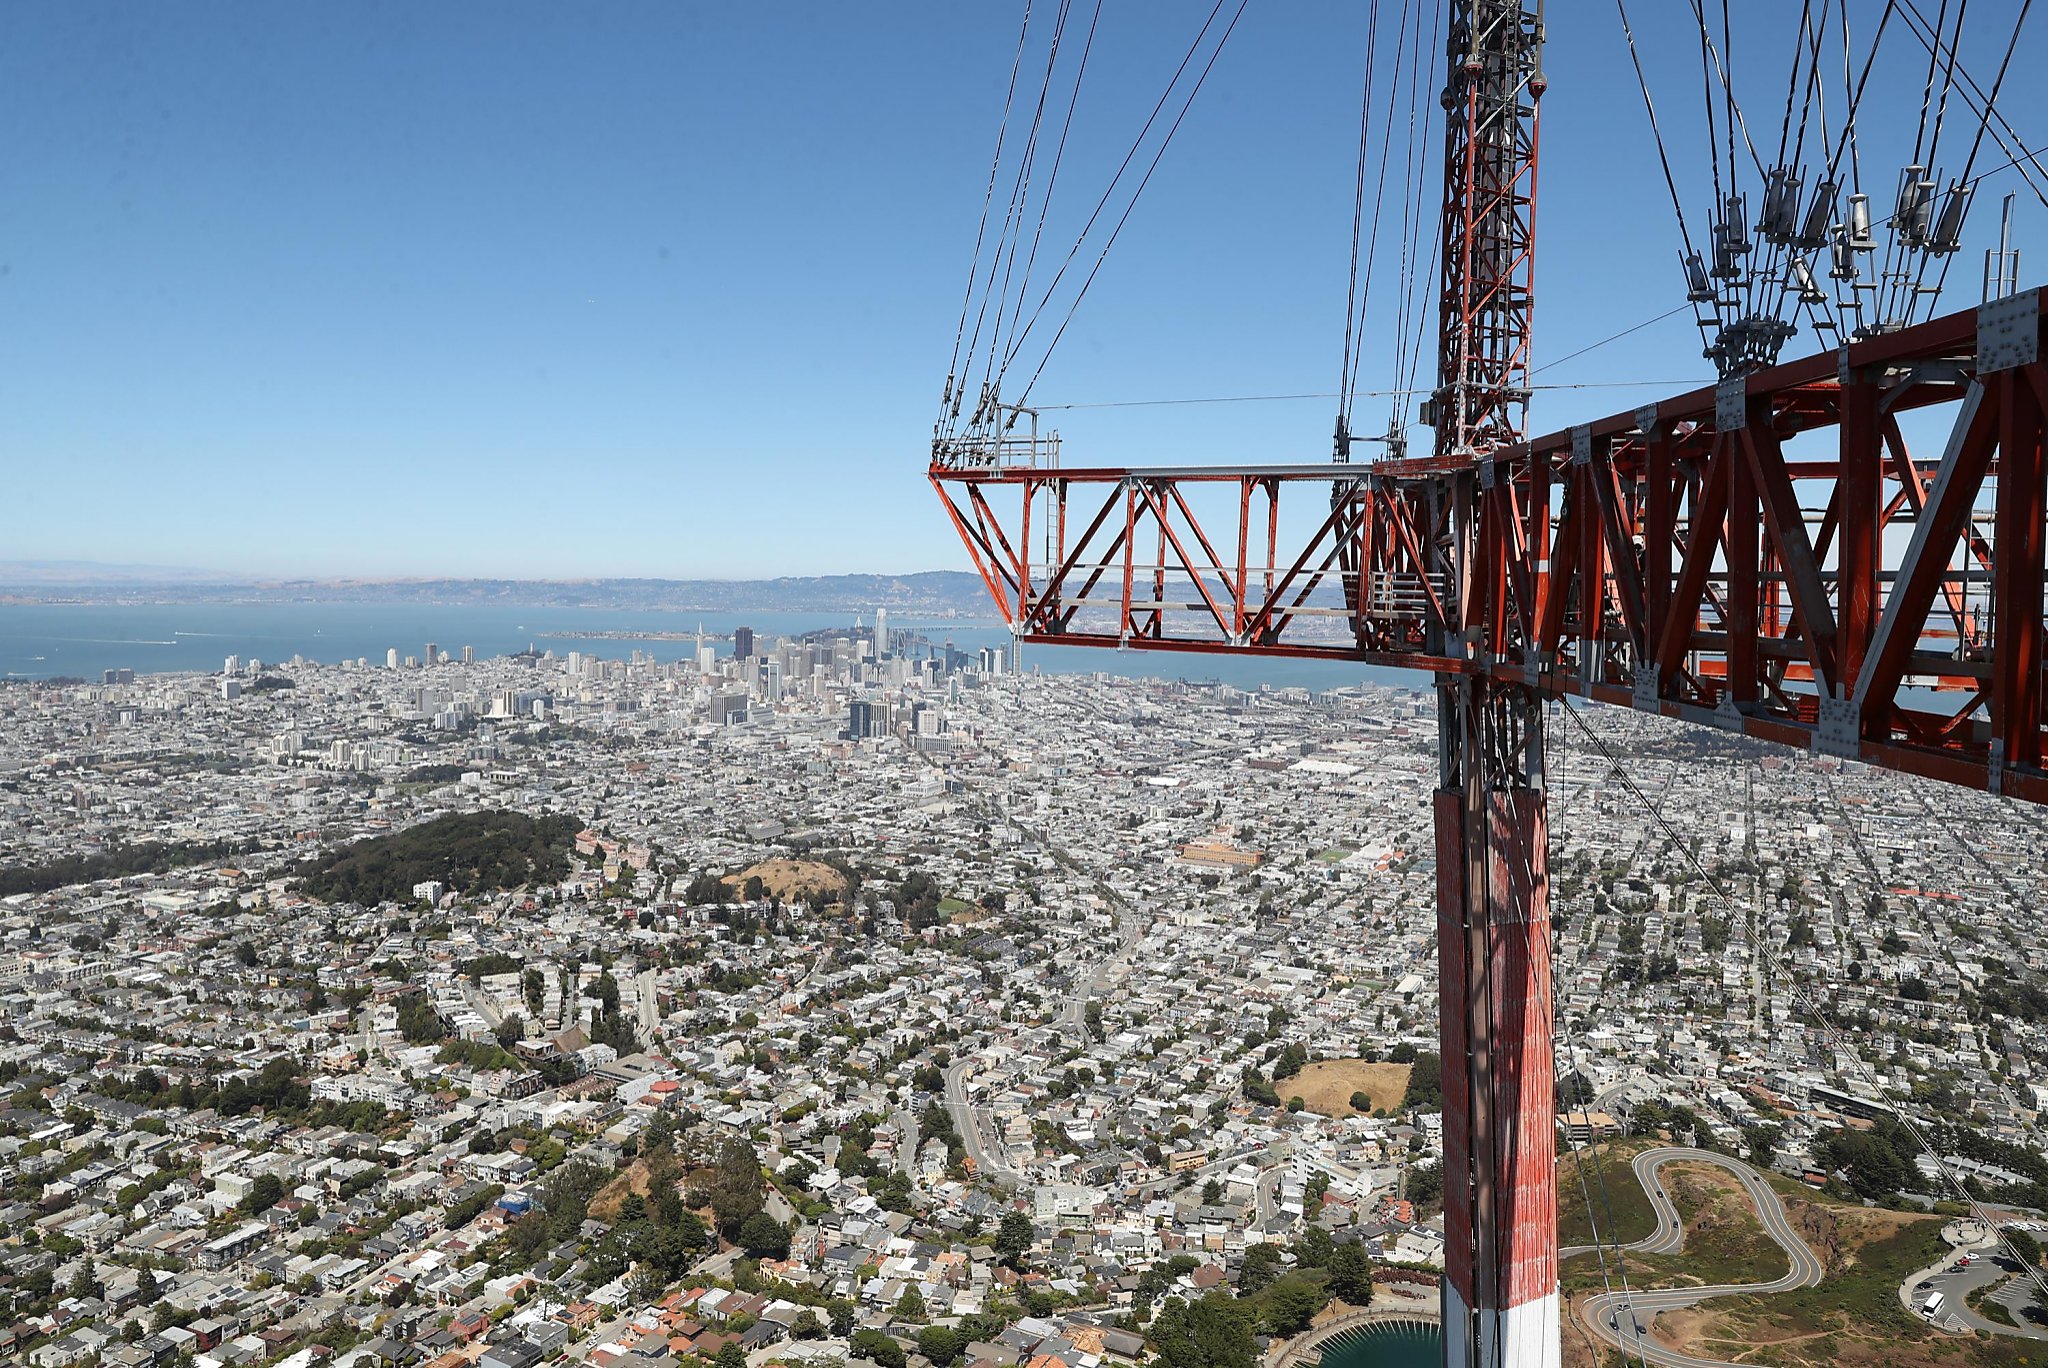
470, 852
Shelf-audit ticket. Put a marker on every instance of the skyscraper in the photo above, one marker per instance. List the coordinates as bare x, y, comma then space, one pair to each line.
469, 655
743, 642
433, 653
391, 659
881, 632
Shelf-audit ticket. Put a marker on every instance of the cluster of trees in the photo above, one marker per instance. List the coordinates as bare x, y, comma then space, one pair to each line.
1878, 1163
610, 1026
276, 1088
1974, 1144
472, 1206
917, 900
1013, 1238
706, 889
1425, 1078
2016, 994
732, 1189
1655, 969
1258, 1089
558, 1214
484, 966
937, 1123
470, 852
418, 1022
1212, 1332
1290, 1061
266, 1192
1652, 1116
147, 857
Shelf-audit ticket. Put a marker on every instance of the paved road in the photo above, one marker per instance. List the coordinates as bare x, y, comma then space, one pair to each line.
1984, 1271
906, 1153
987, 1156
650, 1007
1266, 1192
1622, 1319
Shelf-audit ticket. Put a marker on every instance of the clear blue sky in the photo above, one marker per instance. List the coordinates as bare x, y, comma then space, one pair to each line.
668, 289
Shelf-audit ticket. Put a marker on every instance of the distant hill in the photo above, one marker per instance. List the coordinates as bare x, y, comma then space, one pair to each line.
938, 592
470, 852
22, 574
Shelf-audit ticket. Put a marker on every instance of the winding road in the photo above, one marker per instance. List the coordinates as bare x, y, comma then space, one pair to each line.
1622, 1319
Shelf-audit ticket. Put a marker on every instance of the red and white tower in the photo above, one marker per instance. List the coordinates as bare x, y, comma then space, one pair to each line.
1493, 907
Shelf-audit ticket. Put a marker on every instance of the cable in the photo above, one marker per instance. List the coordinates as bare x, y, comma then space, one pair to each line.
1848, 139
1059, 155
1984, 123
1948, 80
1379, 197
1103, 255
1990, 119
1412, 310
952, 399
1612, 337
1351, 301
1137, 144
1792, 80
1663, 157
1020, 193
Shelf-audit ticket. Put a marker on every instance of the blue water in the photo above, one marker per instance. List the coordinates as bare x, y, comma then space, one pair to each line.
41, 640
1386, 1346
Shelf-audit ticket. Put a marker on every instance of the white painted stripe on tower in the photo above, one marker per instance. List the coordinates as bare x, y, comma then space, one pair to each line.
1529, 1334
1455, 1348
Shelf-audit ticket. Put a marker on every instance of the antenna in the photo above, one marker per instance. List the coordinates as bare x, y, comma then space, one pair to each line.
2002, 266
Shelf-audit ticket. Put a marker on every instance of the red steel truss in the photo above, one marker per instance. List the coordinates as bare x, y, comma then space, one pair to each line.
1768, 555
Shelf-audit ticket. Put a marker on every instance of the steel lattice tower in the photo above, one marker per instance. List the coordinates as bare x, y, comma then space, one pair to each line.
1493, 912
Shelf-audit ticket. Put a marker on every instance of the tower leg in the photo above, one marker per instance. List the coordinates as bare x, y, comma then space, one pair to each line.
1500, 1293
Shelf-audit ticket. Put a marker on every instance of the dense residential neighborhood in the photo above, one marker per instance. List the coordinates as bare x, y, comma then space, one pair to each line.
821, 1001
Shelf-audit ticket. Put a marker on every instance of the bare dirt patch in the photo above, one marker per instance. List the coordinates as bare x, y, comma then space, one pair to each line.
605, 1205
791, 879
1325, 1087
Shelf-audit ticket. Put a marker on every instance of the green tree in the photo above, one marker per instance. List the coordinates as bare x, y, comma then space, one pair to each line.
1261, 1266
876, 1347
2024, 1245
807, 1326
85, 1282
839, 1314
940, 1344
736, 1187
1351, 1274
1215, 1332
266, 1192
1212, 1192
1292, 1302
1013, 1237
732, 1356
1313, 1249
764, 1237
